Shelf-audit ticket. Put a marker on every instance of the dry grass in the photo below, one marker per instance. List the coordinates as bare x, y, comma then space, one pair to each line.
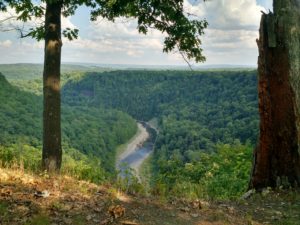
79, 202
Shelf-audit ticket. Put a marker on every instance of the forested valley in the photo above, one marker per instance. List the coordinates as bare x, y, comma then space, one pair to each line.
87, 132
202, 116
121, 134
206, 129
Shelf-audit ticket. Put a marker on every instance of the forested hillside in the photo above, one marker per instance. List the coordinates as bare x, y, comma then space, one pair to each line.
87, 131
221, 106
204, 117
27, 77
198, 113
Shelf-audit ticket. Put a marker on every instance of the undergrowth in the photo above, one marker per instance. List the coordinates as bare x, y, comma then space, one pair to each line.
74, 163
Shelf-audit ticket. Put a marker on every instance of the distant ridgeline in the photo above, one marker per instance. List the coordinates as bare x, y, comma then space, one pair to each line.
196, 110
89, 130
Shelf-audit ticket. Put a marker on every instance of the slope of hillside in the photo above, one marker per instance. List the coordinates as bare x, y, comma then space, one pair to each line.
223, 103
201, 115
91, 131
70, 201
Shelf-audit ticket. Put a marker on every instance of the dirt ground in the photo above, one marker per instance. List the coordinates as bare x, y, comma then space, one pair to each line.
69, 201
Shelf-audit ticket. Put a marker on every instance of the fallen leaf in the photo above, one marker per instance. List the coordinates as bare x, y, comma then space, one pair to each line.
116, 211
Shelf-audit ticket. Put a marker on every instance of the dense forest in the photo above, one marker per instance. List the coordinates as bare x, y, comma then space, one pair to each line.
214, 107
87, 131
198, 113
110, 144
203, 117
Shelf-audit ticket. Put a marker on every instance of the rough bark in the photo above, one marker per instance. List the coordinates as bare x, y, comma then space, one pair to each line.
277, 155
52, 152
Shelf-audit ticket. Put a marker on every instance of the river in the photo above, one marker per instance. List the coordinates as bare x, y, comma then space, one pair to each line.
136, 151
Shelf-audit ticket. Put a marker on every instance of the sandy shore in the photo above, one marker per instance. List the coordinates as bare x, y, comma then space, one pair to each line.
131, 147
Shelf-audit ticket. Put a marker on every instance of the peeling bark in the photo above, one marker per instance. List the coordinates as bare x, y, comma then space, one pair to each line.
277, 155
52, 152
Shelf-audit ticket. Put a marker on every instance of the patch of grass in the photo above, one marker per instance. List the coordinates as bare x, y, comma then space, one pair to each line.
57, 206
39, 219
145, 174
3, 211
78, 220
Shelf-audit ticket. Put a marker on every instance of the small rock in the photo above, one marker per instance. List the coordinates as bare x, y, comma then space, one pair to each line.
185, 209
266, 191
204, 204
194, 215
42, 194
89, 217
248, 194
98, 209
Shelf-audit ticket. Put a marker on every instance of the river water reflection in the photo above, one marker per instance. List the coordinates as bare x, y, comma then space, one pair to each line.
132, 161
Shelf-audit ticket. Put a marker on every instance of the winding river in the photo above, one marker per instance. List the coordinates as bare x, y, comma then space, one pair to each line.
136, 151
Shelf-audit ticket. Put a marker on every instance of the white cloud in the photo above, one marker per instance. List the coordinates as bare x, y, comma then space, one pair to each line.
233, 28
232, 31
6, 43
120, 38
227, 15
230, 37
66, 23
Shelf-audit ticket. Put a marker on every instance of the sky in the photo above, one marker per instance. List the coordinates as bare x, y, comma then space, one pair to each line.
229, 39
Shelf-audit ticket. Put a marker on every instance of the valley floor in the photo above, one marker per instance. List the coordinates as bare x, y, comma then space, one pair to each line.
131, 147
79, 202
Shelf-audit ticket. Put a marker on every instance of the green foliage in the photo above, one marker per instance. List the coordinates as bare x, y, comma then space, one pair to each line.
4, 207
220, 175
129, 183
71, 34
201, 116
93, 132
74, 163
195, 109
39, 219
197, 112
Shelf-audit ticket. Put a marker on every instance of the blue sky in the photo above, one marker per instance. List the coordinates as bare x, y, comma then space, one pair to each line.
230, 38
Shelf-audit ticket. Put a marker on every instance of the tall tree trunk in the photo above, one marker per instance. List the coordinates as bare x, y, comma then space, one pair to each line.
277, 156
52, 152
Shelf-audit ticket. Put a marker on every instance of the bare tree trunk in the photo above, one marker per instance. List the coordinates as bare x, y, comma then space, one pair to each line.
277, 156
52, 152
